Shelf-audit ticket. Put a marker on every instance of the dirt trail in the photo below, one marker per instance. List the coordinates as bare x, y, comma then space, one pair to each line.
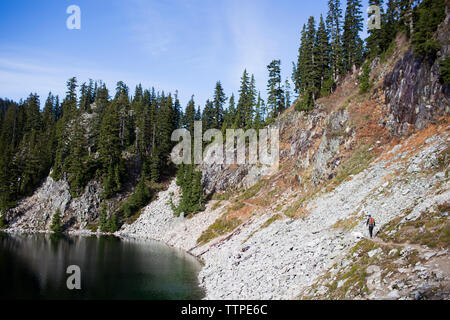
253, 205
421, 249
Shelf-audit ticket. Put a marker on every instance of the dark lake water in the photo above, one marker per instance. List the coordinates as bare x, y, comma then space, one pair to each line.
33, 266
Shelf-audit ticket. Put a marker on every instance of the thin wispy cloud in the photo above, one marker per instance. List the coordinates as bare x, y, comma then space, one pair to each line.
16, 75
252, 47
19, 79
157, 27
22, 66
149, 29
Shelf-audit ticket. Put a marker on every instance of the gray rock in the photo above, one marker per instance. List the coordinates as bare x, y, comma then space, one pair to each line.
374, 252
393, 295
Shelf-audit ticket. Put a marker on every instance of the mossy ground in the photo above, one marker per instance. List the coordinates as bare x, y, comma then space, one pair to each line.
350, 282
221, 226
347, 224
431, 229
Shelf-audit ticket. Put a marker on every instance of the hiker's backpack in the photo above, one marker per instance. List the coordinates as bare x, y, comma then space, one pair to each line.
371, 222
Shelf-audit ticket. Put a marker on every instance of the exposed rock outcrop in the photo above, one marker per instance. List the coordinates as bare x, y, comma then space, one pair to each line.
35, 213
414, 91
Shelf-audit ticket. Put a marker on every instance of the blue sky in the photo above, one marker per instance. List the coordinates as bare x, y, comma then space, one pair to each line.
184, 45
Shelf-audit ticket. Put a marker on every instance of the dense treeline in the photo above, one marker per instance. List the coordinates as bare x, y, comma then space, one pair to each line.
86, 138
332, 47
91, 135
26, 147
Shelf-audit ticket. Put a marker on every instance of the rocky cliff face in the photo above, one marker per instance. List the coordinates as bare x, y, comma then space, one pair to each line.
35, 213
220, 178
311, 140
414, 93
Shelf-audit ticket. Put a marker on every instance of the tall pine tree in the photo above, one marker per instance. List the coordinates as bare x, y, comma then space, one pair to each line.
352, 43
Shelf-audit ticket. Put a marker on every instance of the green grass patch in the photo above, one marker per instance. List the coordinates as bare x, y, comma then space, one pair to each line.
270, 221
358, 161
431, 229
346, 224
388, 52
252, 191
92, 226
223, 196
221, 226
267, 198
293, 211
237, 206
216, 205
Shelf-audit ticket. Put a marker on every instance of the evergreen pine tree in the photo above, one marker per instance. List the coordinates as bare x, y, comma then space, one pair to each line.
352, 43
57, 109
8, 181
56, 222
390, 23
102, 218
230, 115
260, 113
165, 128
69, 110
299, 68
122, 101
322, 60
208, 116
8, 173
287, 96
365, 79
375, 44
178, 122
76, 160
308, 83
275, 99
197, 193
185, 204
189, 116
112, 224
109, 150
333, 22
251, 101
3, 222
244, 107
180, 175
218, 103
69, 106
155, 166
427, 17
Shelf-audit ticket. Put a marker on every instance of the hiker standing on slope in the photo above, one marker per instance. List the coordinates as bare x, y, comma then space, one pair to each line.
371, 224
